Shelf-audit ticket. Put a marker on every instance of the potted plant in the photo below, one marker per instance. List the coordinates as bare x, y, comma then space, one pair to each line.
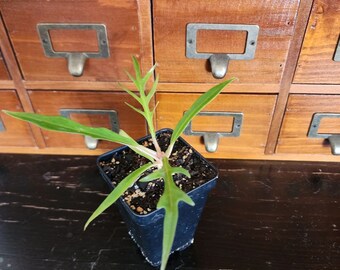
158, 166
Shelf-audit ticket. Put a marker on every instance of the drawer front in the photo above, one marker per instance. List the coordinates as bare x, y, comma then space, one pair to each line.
237, 124
76, 42
319, 60
275, 22
3, 69
100, 109
13, 132
300, 122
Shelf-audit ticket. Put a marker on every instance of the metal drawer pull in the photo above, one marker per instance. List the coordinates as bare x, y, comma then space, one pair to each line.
219, 62
2, 126
336, 57
333, 139
211, 138
90, 142
75, 60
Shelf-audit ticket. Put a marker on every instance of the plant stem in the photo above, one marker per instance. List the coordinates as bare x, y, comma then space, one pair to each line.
149, 120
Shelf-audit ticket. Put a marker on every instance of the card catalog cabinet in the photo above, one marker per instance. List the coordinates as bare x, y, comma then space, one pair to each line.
67, 58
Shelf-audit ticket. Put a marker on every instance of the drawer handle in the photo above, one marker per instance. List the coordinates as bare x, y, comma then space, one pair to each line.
333, 139
2, 126
336, 57
219, 62
75, 60
211, 138
90, 142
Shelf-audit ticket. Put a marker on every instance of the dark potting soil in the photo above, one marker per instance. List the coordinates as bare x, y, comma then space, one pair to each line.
143, 197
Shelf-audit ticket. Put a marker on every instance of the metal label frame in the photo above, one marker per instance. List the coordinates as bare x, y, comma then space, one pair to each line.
251, 40
113, 115
236, 129
103, 44
315, 124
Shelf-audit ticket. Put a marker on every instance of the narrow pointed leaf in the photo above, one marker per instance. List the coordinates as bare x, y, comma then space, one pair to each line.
117, 192
135, 109
154, 108
198, 105
148, 75
152, 176
169, 200
140, 149
63, 124
130, 92
135, 81
153, 89
136, 68
180, 170
169, 231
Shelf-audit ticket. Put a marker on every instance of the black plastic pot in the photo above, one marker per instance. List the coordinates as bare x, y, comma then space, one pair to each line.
147, 230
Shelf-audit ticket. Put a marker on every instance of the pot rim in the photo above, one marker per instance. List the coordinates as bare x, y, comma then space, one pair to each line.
121, 148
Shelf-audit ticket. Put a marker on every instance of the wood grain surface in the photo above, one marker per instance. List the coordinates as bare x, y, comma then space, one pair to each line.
316, 63
50, 102
261, 215
276, 20
257, 112
305, 7
129, 33
298, 117
4, 75
16, 133
16, 75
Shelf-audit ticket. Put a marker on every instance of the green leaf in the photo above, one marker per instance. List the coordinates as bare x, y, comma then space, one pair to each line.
153, 89
135, 109
135, 81
118, 191
169, 200
136, 67
144, 99
148, 75
152, 176
195, 108
154, 108
180, 170
140, 149
63, 124
130, 92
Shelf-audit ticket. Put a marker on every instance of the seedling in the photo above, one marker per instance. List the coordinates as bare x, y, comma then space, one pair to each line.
158, 160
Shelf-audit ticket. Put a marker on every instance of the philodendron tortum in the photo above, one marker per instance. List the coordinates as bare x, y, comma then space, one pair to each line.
158, 160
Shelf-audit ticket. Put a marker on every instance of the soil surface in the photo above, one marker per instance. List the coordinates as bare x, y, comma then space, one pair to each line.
143, 197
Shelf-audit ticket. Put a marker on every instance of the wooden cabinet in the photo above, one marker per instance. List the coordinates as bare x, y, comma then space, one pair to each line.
311, 124
309, 121
284, 54
223, 27
320, 56
106, 33
96, 109
3, 69
236, 125
69, 56
13, 133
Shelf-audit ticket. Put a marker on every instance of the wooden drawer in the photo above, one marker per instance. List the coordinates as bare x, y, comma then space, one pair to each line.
3, 69
13, 132
128, 33
73, 105
251, 115
316, 64
276, 21
298, 121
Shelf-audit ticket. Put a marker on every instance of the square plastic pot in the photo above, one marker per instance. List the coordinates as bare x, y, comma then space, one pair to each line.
147, 230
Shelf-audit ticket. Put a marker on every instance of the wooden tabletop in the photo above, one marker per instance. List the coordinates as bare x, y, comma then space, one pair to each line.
261, 215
